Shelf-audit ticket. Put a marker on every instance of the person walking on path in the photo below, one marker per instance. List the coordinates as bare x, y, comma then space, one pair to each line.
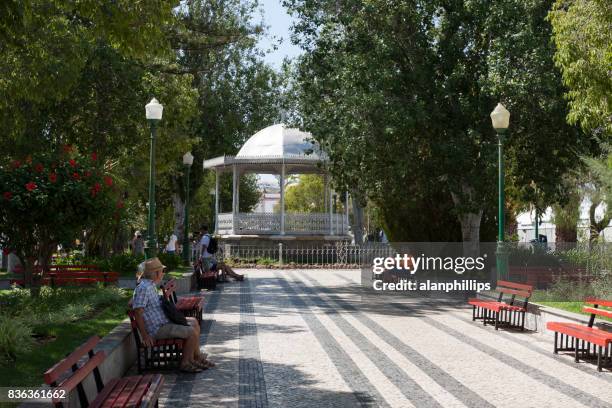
138, 244
172, 244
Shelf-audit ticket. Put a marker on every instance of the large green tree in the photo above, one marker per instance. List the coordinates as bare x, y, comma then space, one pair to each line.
400, 94
583, 37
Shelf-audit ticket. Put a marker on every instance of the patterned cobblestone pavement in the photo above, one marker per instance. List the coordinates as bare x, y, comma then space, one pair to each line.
312, 338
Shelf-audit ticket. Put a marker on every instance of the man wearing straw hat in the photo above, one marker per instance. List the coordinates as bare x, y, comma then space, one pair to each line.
154, 325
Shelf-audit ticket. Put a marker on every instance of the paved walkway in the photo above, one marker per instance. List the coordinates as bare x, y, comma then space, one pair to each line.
310, 338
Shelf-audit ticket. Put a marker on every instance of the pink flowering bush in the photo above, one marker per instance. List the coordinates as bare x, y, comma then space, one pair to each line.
50, 198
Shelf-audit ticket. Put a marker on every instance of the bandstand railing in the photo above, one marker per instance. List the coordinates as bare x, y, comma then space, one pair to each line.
340, 253
270, 223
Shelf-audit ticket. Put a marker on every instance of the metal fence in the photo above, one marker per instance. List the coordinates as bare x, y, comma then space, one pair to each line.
326, 254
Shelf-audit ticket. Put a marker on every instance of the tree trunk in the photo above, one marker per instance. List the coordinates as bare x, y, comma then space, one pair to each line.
470, 223
179, 216
595, 227
357, 225
566, 221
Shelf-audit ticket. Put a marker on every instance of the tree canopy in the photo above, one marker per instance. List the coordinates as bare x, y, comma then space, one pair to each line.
400, 95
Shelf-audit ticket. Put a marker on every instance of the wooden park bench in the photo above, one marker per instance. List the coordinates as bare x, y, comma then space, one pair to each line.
135, 391
503, 312
74, 275
205, 279
165, 354
191, 306
582, 339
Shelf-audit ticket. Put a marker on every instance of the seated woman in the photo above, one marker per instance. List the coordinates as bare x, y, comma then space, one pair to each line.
154, 325
225, 270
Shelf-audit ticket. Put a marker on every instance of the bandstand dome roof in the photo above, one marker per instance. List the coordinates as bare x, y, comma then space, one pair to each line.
279, 141
276, 144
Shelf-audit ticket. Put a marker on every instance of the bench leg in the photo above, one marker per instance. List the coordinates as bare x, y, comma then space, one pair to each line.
555, 350
496, 320
599, 358
576, 350
473, 313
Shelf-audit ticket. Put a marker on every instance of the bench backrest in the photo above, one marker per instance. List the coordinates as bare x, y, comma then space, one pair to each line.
595, 310
77, 278
57, 378
74, 268
514, 289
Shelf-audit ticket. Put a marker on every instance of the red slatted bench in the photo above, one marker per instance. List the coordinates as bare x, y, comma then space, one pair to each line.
581, 339
165, 354
191, 306
503, 312
206, 280
74, 275
135, 391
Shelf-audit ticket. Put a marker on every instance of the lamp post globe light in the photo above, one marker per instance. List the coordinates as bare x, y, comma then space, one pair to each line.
500, 118
154, 111
187, 162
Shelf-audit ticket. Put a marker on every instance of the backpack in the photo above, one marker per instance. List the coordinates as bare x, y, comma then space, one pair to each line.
212, 245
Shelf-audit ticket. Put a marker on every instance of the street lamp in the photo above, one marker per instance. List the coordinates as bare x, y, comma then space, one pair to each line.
213, 197
187, 162
154, 112
500, 117
535, 190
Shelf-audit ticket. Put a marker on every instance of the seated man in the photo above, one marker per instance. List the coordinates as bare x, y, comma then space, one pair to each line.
154, 325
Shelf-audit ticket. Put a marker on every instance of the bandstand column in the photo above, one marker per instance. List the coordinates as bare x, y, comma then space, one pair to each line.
325, 186
216, 201
346, 213
234, 199
331, 211
282, 199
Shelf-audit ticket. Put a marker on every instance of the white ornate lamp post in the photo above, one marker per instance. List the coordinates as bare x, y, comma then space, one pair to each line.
154, 111
500, 118
187, 162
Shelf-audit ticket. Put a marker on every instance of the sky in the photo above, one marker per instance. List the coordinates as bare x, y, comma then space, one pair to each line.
279, 23
279, 27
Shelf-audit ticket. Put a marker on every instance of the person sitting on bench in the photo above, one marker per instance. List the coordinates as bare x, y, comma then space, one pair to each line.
154, 325
225, 270
210, 261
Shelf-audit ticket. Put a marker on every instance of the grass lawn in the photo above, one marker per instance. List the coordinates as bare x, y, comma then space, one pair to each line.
59, 340
575, 307
179, 271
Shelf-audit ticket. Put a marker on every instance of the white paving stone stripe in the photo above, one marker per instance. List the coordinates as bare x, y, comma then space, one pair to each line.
544, 347
597, 398
292, 355
492, 338
390, 391
465, 363
571, 391
366, 395
398, 353
410, 388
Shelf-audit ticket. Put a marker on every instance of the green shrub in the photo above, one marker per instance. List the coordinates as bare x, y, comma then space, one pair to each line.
15, 338
267, 261
172, 261
124, 264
